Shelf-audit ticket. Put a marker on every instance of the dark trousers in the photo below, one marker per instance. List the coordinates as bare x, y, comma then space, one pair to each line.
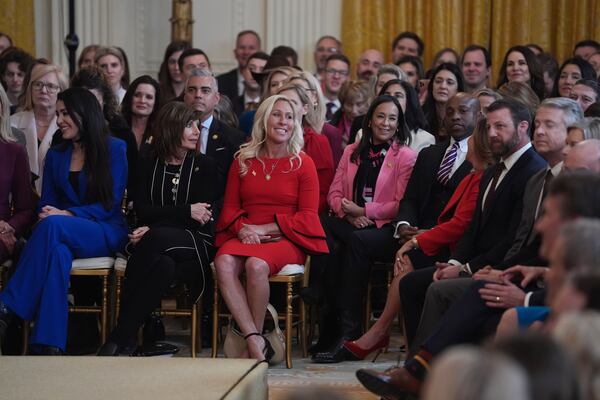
346, 269
163, 256
468, 320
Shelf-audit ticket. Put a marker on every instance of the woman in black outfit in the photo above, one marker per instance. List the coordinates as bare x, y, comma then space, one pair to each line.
176, 208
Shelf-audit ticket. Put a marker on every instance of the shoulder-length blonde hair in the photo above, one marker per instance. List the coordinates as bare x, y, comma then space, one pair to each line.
316, 113
258, 138
302, 95
5, 129
37, 72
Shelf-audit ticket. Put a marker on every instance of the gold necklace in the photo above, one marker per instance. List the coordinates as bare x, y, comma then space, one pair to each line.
268, 175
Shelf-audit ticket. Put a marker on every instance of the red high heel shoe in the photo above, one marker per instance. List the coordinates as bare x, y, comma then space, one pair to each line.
361, 353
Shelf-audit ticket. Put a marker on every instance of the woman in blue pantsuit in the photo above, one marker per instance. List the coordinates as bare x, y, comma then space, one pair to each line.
80, 217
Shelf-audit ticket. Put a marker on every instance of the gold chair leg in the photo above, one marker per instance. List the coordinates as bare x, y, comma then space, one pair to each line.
215, 321
104, 310
118, 288
288, 327
194, 329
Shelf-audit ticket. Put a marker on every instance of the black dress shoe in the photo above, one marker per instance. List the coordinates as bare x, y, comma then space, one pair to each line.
5, 318
44, 350
336, 355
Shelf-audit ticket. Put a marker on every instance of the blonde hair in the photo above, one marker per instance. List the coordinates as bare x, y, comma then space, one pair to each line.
258, 138
316, 114
37, 72
302, 94
5, 129
287, 71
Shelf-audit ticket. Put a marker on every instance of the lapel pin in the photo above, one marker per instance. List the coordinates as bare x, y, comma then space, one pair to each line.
215, 136
196, 169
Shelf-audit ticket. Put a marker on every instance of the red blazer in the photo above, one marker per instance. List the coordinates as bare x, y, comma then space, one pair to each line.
317, 147
389, 190
454, 219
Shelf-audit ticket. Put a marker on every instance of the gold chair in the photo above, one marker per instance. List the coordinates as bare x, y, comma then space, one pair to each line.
100, 267
193, 311
388, 269
292, 276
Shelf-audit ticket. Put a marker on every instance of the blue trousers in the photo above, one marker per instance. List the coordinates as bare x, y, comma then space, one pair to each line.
38, 289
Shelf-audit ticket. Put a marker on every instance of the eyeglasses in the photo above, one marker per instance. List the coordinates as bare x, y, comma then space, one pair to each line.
322, 49
50, 87
332, 71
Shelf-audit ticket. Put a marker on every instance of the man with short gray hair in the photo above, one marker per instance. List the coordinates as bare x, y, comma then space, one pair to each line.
217, 140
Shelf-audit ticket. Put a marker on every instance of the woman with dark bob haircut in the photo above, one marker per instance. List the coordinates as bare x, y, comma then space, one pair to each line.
176, 209
364, 196
80, 217
521, 65
172, 80
140, 106
445, 82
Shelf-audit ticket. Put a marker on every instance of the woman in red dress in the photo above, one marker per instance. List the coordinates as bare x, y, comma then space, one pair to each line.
269, 217
316, 142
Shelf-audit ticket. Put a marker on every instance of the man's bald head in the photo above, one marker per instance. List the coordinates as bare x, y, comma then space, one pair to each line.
584, 155
461, 115
368, 64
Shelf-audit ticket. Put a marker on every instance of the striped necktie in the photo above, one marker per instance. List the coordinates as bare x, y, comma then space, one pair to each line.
443, 174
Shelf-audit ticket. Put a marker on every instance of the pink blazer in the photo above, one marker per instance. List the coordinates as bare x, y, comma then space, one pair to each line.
389, 190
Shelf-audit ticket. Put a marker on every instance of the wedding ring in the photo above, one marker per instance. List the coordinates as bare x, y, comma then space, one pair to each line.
397, 258
497, 298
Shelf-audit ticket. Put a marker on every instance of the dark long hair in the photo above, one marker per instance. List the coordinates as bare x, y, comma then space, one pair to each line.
400, 136
128, 100
93, 78
168, 131
536, 80
85, 111
586, 69
413, 115
429, 108
164, 77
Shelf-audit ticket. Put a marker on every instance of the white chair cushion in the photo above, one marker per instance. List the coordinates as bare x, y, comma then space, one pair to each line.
291, 269
93, 263
120, 264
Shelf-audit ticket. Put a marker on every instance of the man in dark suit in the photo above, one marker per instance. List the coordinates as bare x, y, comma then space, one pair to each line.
231, 84
424, 199
217, 140
250, 98
486, 241
570, 196
551, 122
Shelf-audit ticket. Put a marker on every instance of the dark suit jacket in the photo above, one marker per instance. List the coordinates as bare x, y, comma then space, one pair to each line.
414, 207
228, 84
223, 142
492, 232
526, 245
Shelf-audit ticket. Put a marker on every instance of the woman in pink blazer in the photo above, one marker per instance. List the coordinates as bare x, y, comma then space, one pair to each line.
369, 183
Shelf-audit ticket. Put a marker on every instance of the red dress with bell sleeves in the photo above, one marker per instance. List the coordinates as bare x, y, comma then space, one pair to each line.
283, 192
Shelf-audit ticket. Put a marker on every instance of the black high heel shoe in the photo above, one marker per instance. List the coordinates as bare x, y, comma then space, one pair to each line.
268, 351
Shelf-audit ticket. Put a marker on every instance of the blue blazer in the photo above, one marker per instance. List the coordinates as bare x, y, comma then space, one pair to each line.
58, 192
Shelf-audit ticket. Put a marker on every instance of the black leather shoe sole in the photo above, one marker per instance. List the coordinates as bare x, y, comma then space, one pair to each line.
338, 356
376, 385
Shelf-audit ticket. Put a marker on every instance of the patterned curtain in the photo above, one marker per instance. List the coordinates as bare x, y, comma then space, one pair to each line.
17, 21
556, 25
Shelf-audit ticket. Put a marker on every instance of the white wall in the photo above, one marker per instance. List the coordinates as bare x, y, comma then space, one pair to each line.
143, 30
